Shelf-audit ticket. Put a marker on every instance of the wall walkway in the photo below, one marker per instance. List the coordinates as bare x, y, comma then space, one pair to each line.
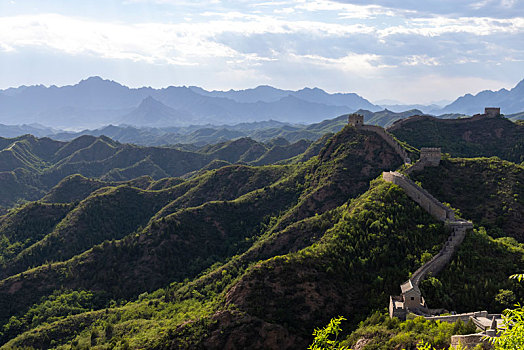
432, 205
439, 211
389, 139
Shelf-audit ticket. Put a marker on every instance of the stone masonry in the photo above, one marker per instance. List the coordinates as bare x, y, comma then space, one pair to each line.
492, 112
439, 261
411, 300
420, 195
428, 157
357, 121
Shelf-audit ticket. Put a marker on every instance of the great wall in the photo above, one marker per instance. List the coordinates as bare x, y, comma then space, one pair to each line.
411, 300
488, 113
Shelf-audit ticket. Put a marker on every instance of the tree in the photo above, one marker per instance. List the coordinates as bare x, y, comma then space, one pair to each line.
322, 339
512, 335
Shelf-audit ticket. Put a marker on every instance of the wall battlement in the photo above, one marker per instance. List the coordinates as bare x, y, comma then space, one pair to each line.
356, 120
411, 299
420, 195
390, 140
439, 261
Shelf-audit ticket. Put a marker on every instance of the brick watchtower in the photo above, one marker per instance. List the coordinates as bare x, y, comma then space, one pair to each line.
356, 120
492, 112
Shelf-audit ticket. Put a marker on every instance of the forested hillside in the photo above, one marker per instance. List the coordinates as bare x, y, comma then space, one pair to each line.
29, 166
247, 256
468, 137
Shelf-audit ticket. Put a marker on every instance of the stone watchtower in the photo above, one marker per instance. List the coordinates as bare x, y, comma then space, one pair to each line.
356, 120
430, 155
492, 112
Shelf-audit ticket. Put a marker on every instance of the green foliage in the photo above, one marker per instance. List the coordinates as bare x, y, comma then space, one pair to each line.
52, 308
512, 335
460, 287
383, 332
239, 247
488, 191
30, 167
261, 212
427, 346
484, 137
26, 225
352, 258
324, 336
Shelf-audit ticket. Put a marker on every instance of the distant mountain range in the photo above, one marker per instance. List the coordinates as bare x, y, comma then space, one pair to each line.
96, 102
510, 101
199, 135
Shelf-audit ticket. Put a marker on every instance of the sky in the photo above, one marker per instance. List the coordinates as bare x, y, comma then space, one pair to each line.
410, 51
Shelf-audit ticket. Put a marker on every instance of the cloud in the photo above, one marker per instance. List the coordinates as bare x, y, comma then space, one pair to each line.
453, 8
359, 64
287, 42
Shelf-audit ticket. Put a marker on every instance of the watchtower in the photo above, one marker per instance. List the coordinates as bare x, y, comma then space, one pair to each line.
430, 155
356, 120
411, 296
492, 112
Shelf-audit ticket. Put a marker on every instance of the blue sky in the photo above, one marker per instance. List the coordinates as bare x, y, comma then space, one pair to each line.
411, 51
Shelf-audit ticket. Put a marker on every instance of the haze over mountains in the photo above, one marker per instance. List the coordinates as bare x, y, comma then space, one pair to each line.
96, 102
198, 135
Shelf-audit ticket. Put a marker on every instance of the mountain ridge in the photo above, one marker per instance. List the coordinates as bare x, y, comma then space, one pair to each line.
107, 100
511, 101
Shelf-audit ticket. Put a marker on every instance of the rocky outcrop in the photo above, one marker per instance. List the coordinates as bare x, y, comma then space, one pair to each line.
390, 140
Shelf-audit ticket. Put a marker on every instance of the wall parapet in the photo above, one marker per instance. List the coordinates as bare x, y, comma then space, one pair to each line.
439, 211
420, 195
390, 140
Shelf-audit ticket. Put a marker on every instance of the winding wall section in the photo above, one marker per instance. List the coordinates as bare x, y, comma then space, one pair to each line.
439, 211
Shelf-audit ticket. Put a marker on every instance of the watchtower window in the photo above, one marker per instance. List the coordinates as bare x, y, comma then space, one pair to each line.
412, 298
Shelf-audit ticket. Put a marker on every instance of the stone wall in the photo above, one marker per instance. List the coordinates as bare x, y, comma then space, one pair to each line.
356, 120
463, 317
389, 139
399, 123
439, 211
420, 195
429, 156
439, 261
470, 341
492, 112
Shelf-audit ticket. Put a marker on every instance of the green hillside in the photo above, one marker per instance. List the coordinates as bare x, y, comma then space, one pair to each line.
468, 137
178, 219
30, 167
488, 191
252, 256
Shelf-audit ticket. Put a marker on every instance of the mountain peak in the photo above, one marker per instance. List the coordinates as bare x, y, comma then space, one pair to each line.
91, 80
519, 86
97, 81
150, 101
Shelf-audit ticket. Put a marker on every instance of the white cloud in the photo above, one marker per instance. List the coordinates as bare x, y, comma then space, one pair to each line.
436, 26
235, 42
450, 8
180, 43
415, 60
359, 64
